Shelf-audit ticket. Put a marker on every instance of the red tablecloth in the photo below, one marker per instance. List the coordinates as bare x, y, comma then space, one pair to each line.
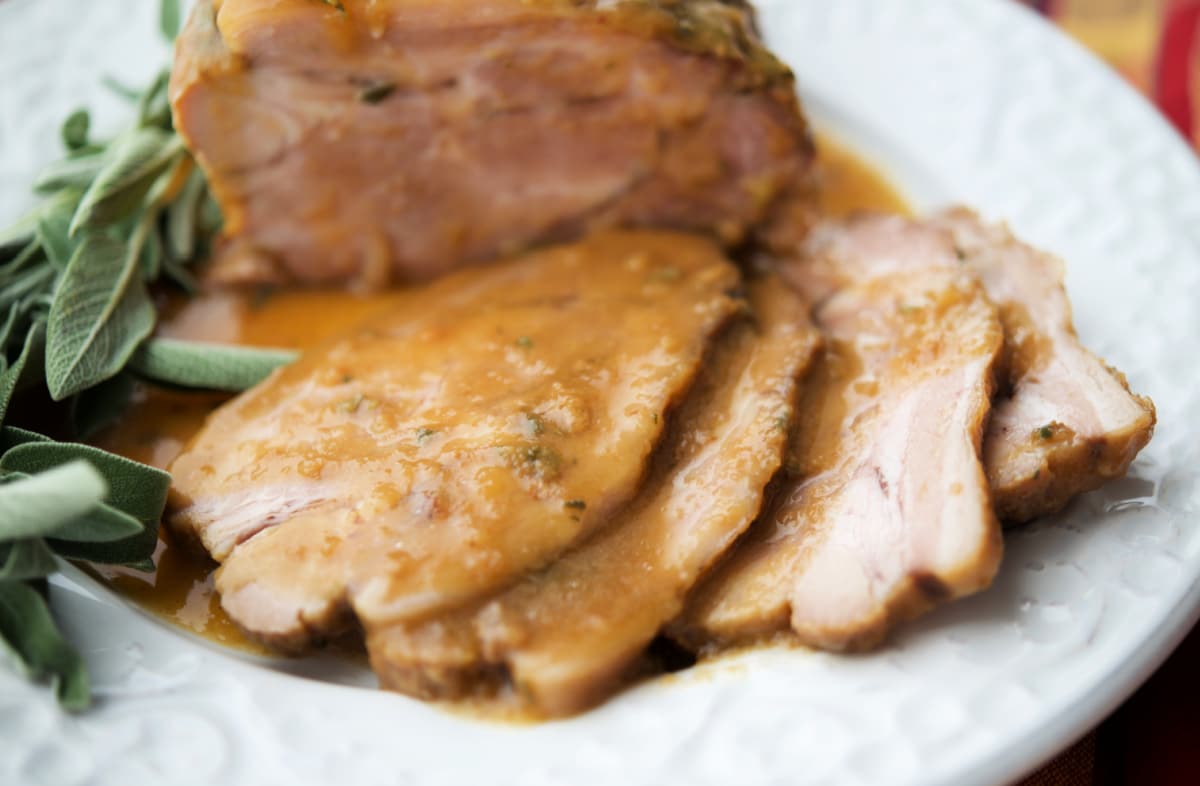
1154, 738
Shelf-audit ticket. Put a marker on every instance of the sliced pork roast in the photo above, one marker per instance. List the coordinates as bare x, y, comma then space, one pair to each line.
1068, 421
886, 511
369, 141
1064, 422
441, 451
565, 636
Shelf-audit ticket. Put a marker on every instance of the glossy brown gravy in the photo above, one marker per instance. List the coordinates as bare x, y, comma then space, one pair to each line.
160, 422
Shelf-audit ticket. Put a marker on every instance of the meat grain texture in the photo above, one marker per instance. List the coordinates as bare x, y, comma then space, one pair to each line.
563, 638
514, 482
442, 451
887, 513
1065, 422
886, 510
395, 140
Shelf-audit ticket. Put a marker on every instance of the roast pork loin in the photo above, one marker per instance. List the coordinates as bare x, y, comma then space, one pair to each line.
886, 510
443, 450
564, 637
374, 141
1064, 421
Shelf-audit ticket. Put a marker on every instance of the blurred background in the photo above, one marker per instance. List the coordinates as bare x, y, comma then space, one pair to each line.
1155, 44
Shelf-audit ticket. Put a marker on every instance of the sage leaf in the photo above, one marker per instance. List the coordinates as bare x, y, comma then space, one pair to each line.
75, 129
168, 185
73, 172
102, 524
136, 552
137, 160
83, 541
179, 275
133, 488
39, 303
211, 220
13, 376
28, 628
115, 87
26, 284
169, 18
34, 506
194, 364
100, 314
25, 258
54, 227
15, 237
151, 259
98, 407
6, 332
74, 307
182, 216
27, 559
154, 108
11, 436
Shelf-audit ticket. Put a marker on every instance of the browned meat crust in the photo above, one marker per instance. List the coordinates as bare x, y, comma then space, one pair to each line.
1065, 422
400, 139
563, 638
886, 512
1068, 422
442, 451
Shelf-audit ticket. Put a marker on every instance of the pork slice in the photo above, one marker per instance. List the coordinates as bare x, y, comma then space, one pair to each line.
887, 511
1064, 422
440, 451
564, 637
394, 140
1068, 421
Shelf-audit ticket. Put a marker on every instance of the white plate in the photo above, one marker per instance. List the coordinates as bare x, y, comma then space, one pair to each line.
974, 101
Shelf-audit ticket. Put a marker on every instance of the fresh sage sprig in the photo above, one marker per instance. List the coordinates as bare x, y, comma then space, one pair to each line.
194, 364
74, 501
119, 217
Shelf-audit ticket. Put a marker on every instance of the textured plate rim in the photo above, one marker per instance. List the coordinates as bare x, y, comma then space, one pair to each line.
1025, 752
1038, 747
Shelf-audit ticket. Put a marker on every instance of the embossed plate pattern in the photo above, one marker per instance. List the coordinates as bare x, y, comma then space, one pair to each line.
959, 100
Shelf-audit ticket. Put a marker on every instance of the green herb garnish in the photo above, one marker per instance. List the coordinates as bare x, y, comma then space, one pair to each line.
376, 92
194, 364
118, 217
169, 19
350, 405
544, 461
75, 130
534, 425
667, 274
